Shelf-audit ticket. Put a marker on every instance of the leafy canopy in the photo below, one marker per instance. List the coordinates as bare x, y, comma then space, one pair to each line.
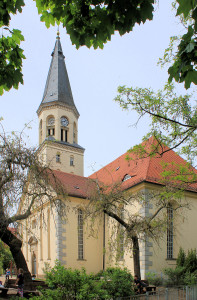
173, 117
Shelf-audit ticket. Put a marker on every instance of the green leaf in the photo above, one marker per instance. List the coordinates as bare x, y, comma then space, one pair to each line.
190, 77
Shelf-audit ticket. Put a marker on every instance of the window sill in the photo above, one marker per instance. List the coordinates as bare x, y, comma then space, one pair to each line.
81, 259
170, 259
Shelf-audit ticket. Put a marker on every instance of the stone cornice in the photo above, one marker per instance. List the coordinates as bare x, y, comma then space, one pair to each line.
56, 104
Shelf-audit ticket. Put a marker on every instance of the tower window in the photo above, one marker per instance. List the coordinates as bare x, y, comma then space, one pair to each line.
51, 131
51, 126
58, 158
71, 161
64, 135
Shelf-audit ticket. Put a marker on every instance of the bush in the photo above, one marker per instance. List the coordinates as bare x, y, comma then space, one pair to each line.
74, 284
154, 279
191, 261
118, 282
190, 278
175, 276
181, 258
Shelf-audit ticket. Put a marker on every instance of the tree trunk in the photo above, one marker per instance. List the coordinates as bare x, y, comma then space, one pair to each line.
15, 247
136, 256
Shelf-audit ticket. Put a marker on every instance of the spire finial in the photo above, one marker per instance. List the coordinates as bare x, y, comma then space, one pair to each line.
58, 33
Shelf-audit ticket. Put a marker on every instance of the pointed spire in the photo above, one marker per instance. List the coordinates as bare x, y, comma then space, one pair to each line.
57, 88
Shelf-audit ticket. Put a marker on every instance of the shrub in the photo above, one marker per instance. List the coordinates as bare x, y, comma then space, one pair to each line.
118, 282
181, 258
154, 279
190, 278
175, 276
191, 261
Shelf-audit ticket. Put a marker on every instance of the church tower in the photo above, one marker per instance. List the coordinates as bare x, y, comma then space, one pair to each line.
58, 119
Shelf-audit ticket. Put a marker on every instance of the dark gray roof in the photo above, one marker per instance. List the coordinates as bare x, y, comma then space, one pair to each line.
57, 88
74, 145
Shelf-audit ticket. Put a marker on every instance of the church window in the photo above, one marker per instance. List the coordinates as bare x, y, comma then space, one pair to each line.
170, 232
58, 158
71, 161
64, 135
80, 234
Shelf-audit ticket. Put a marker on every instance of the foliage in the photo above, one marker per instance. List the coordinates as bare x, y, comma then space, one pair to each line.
118, 282
154, 279
185, 271
92, 22
172, 119
180, 262
11, 55
174, 276
5, 256
73, 284
191, 261
190, 278
18, 166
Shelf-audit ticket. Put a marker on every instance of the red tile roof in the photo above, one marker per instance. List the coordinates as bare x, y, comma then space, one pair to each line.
75, 185
147, 169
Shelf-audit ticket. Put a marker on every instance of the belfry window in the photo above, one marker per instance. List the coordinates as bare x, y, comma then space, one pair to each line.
80, 234
64, 130
51, 126
64, 135
170, 232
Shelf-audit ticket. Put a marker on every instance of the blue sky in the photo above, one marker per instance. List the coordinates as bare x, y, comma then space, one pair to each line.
105, 131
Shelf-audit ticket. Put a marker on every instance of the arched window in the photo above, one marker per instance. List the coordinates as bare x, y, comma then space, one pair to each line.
80, 234
64, 129
50, 126
170, 232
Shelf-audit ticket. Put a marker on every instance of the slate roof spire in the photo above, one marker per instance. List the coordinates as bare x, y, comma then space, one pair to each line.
57, 88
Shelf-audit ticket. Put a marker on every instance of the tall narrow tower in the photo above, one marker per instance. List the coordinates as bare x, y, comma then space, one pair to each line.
58, 119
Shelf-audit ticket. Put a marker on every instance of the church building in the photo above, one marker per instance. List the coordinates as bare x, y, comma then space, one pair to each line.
48, 237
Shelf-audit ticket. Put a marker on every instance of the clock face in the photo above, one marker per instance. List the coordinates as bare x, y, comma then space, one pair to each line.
51, 121
64, 121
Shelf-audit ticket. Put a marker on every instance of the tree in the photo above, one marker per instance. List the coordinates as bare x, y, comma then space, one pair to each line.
120, 206
172, 121
92, 23
5, 256
25, 181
